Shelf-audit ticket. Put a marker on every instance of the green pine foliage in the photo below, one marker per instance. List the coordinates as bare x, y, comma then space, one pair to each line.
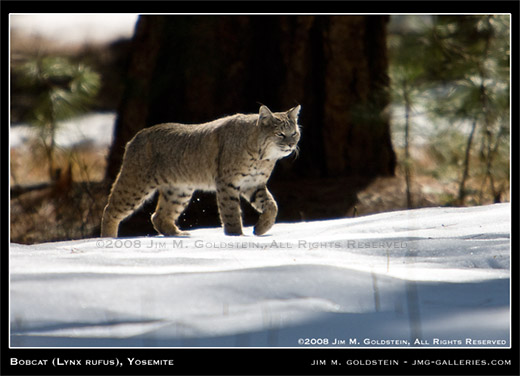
456, 69
62, 89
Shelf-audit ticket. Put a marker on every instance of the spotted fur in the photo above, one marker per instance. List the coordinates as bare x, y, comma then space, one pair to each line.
233, 156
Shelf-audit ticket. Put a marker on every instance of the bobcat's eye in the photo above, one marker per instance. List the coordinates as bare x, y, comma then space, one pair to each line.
281, 135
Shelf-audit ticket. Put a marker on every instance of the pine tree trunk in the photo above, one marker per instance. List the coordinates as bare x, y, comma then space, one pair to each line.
465, 171
134, 108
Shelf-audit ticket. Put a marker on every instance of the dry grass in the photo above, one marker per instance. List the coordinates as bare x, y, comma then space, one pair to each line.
69, 208
54, 214
439, 181
30, 166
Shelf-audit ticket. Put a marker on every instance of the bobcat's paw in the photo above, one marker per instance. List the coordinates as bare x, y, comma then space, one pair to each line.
262, 229
180, 233
233, 231
174, 233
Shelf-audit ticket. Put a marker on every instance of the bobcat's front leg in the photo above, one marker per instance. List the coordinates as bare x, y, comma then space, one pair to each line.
262, 200
228, 200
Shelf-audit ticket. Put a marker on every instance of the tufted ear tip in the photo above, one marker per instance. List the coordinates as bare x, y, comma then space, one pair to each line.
265, 112
294, 112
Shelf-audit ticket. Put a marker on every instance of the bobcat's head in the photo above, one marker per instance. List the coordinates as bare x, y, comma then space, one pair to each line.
280, 131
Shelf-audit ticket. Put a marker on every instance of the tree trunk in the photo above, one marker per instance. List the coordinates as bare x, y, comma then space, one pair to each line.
355, 129
134, 108
197, 68
465, 171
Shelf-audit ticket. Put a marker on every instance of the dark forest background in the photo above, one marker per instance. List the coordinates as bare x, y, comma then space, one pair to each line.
346, 72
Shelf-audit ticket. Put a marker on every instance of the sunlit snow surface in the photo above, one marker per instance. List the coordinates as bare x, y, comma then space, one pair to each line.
439, 275
92, 129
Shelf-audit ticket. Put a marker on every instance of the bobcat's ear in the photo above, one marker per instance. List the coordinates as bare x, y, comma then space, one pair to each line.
294, 112
264, 114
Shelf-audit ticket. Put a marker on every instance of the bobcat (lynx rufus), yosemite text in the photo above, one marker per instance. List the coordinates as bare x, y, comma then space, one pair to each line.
233, 156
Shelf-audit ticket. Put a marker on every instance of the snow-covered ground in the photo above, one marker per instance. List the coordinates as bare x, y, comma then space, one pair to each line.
95, 129
428, 277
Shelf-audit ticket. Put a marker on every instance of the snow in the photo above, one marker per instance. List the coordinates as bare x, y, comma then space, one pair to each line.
73, 28
440, 275
90, 129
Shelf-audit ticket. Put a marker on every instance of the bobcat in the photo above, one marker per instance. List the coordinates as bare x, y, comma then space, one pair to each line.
233, 156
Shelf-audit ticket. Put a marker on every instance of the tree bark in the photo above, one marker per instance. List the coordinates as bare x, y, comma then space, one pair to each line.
134, 108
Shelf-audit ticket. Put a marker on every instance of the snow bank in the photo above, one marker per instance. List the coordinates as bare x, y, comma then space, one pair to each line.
428, 277
94, 129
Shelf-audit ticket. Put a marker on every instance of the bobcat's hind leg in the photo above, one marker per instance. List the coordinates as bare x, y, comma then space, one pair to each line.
123, 200
262, 200
171, 204
110, 221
